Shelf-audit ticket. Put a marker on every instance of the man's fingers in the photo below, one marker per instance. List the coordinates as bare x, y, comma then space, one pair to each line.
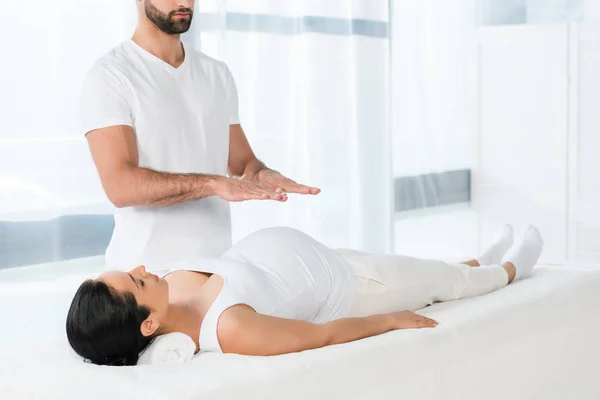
301, 189
268, 195
288, 186
259, 196
310, 190
256, 192
272, 194
255, 195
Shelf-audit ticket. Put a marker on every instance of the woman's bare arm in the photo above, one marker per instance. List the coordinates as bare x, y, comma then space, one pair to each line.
241, 330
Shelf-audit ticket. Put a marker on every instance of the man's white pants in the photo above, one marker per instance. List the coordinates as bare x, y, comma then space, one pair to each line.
388, 283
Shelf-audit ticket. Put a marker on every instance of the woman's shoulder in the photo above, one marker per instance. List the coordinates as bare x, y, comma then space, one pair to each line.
232, 324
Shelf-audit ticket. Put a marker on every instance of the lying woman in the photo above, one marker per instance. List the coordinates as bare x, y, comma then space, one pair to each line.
280, 291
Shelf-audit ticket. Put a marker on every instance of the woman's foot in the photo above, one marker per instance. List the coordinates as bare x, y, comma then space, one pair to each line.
526, 254
494, 253
510, 270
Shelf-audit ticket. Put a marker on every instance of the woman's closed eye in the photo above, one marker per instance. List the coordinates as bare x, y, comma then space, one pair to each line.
138, 282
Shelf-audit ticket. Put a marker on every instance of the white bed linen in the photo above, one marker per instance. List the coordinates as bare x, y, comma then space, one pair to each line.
535, 339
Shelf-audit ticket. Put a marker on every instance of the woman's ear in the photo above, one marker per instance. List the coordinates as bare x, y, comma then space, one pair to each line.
149, 326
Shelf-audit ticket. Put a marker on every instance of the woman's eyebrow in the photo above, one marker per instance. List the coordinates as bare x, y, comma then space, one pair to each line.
136, 284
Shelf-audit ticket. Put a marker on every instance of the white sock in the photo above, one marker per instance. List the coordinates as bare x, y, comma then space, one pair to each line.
526, 254
494, 253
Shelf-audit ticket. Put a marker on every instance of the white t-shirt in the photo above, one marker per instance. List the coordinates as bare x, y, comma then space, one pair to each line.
181, 118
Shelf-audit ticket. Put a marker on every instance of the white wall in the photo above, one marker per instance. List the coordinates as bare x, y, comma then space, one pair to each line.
591, 11
521, 173
540, 133
584, 218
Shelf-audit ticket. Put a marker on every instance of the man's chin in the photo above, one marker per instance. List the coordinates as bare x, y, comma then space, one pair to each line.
182, 25
179, 31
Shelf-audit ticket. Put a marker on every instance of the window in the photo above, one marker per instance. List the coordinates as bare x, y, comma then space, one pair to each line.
51, 204
506, 12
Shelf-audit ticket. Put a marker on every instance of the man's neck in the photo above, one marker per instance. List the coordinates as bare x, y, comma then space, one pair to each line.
162, 45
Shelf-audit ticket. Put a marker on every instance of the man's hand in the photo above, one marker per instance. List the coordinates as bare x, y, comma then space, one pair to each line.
273, 180
232, 189
243, 162
408, 319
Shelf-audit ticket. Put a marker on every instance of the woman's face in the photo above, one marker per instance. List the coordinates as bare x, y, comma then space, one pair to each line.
149, 290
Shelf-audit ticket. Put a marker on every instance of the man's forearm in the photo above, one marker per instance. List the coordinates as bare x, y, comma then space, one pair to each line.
350, 329
147, 187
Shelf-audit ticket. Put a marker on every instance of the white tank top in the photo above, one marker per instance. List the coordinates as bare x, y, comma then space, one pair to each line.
279, 272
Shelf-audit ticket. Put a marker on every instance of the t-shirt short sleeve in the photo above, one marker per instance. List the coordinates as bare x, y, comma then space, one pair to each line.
232, 98
104, 100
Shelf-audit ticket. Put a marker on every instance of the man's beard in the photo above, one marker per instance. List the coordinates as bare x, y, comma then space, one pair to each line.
165, 22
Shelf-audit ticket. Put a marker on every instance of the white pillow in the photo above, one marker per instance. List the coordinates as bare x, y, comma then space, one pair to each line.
172, 348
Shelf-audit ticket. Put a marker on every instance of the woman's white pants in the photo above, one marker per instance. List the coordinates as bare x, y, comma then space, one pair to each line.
388, 283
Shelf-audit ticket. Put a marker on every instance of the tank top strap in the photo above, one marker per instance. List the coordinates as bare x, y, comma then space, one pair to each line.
229, 296
209, 340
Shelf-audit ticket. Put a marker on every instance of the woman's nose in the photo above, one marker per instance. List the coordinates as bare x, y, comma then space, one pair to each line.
140, 269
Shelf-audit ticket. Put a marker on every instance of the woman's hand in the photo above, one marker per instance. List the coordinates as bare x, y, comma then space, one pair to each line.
408, 320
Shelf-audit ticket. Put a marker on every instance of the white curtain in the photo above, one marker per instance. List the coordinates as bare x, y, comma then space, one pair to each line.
45, 167
313, 81
434, 68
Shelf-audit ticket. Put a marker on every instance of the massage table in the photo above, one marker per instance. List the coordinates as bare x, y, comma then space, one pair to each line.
538, 338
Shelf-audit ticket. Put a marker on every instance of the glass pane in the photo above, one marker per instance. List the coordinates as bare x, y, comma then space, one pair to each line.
506, 12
